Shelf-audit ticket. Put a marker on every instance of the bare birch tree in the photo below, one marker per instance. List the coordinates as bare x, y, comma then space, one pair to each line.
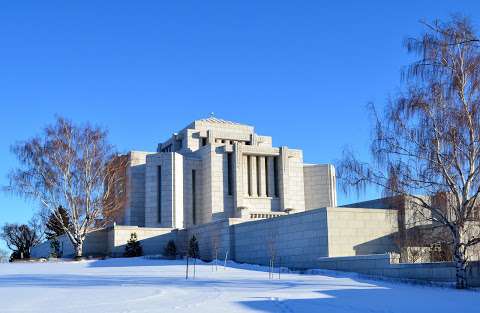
427, 142
71, 166
215, 246
227, 251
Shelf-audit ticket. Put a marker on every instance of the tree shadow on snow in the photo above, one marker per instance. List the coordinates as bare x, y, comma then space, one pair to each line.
397, 299
90, 280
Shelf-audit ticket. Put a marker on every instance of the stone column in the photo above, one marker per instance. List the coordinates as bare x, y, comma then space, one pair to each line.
245, 174
240, 185
177, 192
253, 175
262, 190
283, 178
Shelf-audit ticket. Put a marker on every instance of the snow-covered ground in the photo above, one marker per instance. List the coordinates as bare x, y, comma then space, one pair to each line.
142, 285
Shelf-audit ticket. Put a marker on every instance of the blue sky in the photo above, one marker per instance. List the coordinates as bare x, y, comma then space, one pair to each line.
300, 71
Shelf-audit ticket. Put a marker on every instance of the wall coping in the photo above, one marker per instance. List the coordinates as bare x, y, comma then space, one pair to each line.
129, 227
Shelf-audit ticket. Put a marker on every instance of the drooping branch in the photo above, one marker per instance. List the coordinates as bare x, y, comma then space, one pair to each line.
426, 143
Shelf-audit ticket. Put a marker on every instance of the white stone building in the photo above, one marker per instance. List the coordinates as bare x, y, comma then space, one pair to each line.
238, 195
215, 169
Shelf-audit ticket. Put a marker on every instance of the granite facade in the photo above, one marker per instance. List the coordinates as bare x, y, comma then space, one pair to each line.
215, 169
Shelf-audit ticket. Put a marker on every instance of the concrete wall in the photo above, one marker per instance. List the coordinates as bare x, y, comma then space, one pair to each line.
209, 236
171, 190
297, 240
320, 186
411, 214
221, 202
386, 265
293, 172
204, 210
153, 240
95, 244
111, 241
135, 210
300, 239
189, 165
356, 231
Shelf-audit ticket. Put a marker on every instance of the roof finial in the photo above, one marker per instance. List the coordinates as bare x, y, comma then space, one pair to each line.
212, 114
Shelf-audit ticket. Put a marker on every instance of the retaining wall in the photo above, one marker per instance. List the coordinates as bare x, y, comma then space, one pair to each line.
112, 241
153, 240
95, 244
386, 265
296, 240
212, 238
360, 231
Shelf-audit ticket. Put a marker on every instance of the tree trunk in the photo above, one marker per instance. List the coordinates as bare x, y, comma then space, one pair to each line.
226, 258
78, 250
460, 259
194, 266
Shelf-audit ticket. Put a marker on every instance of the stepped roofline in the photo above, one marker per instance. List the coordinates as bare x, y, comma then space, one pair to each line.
218, 123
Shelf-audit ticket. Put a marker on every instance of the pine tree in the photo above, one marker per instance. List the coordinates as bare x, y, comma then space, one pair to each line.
193, 249
170, 249
55, 248
133, 247
54, 227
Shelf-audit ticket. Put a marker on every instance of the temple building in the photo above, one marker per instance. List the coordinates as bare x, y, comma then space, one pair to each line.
215, 169
248, 201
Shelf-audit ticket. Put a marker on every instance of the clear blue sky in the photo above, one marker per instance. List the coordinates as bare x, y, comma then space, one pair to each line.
300, 71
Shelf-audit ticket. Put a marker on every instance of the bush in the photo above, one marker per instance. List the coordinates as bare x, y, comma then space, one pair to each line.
16, 255
133, 247
170, 249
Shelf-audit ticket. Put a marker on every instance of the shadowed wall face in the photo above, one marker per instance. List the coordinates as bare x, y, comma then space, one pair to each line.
296, 240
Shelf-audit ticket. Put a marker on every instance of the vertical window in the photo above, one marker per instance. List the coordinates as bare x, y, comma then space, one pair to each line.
275, 175
194, 201
249, 175
204, 141
159, 193
229, 173
267, 191
259, 179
